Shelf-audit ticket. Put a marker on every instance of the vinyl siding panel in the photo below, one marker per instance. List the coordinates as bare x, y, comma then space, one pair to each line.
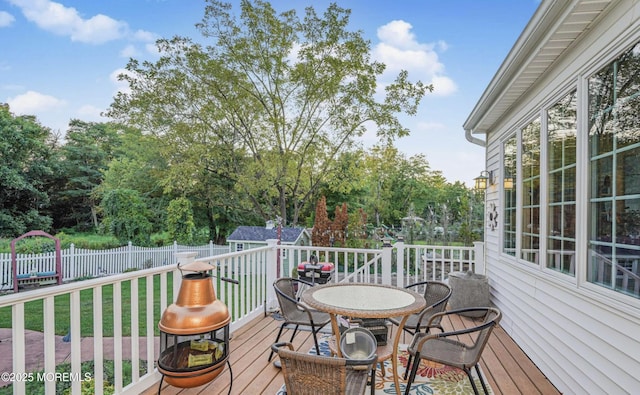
585, 338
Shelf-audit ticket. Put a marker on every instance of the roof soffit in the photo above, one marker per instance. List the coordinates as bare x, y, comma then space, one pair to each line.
555, 27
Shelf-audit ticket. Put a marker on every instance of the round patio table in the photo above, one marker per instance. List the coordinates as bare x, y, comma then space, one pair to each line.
363, 300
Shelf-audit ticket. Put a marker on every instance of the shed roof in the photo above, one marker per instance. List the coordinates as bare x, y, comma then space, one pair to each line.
555, 26
262, 234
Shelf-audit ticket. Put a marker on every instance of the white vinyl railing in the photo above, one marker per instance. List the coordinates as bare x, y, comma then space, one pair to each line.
129, 297
417, 263
350, 264
137, 299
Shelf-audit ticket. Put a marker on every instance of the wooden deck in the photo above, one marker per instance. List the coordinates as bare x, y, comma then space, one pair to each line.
508, 370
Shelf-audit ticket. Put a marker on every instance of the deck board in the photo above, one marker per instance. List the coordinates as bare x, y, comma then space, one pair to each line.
507, 368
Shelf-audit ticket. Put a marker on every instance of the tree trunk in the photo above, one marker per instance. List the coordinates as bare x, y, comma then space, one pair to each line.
94, 217
283, 206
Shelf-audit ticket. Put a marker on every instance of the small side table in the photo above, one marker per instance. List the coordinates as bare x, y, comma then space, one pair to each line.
366, 301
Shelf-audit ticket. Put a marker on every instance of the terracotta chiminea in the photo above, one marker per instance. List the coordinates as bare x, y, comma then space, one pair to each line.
194, 331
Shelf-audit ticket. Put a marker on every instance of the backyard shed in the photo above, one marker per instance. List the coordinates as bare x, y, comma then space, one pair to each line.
246, 237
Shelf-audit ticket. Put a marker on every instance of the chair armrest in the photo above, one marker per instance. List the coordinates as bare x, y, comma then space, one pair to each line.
431, 336
456, 311
276, 346
429, 308
299, 304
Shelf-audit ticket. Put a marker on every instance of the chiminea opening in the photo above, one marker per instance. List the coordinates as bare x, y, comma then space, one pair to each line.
192, 360
194, 331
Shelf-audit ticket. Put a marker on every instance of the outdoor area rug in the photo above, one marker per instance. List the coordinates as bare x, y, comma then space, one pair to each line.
431, 379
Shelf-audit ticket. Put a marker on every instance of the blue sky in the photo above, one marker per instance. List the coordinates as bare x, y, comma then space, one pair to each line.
59, 60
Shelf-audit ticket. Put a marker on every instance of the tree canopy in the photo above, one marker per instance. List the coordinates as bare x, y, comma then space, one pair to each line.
261, 119
26, 167
269, 103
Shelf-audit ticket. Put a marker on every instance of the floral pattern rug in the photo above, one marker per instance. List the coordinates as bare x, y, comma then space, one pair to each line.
431, 379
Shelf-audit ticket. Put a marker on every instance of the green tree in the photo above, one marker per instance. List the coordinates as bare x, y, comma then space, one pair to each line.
395, 182
348, 183
86, 154
139, 164
126, 216
204, 170
279, 96
180, 224
26, 163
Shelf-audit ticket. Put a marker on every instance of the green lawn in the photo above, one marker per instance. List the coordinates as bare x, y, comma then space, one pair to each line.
34, 317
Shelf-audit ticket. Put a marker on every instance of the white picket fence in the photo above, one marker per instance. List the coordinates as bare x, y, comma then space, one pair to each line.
79, 263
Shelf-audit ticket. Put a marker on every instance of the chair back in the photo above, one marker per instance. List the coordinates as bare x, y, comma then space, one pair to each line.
285, 291
437, 295
312, 374
491, 319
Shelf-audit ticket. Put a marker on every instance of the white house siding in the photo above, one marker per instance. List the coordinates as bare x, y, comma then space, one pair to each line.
584, 337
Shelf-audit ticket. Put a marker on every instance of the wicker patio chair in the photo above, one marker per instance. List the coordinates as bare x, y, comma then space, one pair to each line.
461, 349
309, 374
437, 295
296, 313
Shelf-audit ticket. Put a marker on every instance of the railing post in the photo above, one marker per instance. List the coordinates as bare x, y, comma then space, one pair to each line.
400, 262
271, 303
478, 257
387, 258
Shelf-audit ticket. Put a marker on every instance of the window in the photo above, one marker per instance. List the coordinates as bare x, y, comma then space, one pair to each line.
530, 191
510, 150
614, 171
240, 247
561, 181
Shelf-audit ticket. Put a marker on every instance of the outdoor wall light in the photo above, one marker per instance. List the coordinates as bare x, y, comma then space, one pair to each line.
508, 183
484, 179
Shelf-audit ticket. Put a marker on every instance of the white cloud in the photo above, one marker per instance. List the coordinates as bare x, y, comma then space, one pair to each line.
121, 86
143, 35
415, 61
399, 49
34, 103
6, 19
66, 21
370, 137
398, 34
48, 110
443, 86
90, 113
129, 51
152, 49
